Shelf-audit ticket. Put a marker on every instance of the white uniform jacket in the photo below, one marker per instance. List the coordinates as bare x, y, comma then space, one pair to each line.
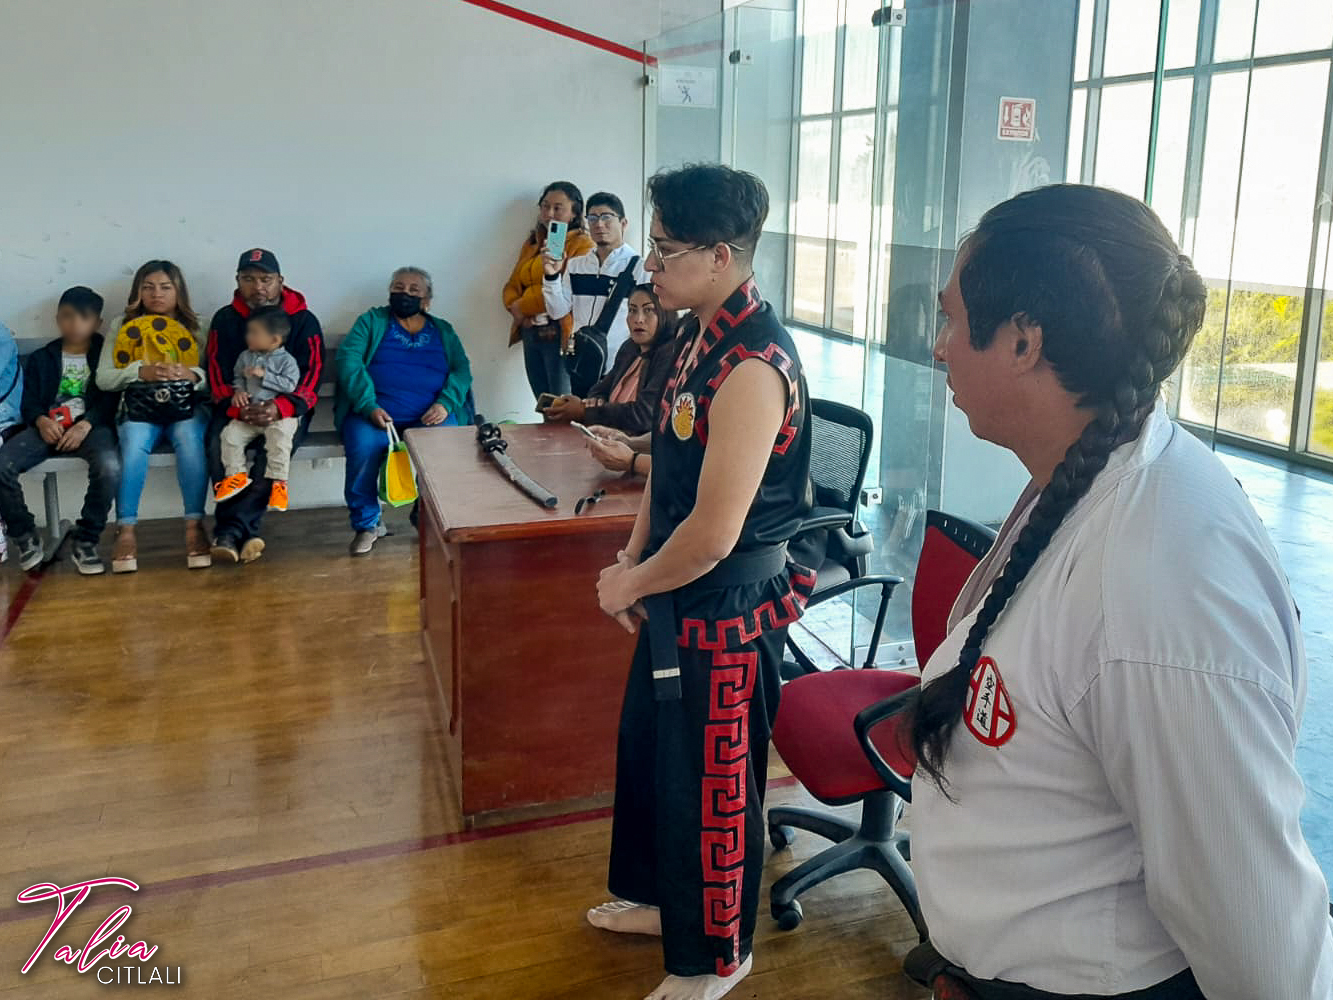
1127, 801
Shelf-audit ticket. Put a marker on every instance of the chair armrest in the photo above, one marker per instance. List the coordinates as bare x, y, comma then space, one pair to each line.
825, 517
886, 582
852, 542
866, 720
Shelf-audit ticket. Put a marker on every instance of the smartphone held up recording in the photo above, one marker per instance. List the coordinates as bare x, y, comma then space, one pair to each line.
556, 234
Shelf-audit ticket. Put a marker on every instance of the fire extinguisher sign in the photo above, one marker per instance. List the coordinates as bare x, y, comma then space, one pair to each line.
1018, 118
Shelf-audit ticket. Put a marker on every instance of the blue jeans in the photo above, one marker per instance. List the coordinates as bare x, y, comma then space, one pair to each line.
137, 440
545, 366
365, 446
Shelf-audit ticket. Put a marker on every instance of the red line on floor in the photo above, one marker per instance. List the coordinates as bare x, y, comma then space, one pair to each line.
375, 852
20, 603
564, 30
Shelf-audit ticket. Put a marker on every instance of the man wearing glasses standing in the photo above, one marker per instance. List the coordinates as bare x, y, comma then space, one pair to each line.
707, 569
588, 281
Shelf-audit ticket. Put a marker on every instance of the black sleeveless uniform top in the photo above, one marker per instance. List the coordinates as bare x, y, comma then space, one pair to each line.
745, 327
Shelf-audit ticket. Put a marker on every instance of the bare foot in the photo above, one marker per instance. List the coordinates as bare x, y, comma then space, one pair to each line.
700, 987
627, 918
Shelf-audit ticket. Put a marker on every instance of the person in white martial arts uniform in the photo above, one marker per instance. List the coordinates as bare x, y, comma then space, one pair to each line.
1106, 801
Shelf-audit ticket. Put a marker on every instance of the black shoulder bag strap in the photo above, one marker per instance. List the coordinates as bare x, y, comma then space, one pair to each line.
619, 293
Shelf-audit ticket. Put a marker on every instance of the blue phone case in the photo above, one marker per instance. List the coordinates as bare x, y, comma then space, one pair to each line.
556, 234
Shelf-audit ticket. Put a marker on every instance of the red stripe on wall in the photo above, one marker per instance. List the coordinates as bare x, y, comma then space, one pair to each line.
556, 28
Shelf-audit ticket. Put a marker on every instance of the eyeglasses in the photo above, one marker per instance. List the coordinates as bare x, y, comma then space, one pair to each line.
606, 218
662, 258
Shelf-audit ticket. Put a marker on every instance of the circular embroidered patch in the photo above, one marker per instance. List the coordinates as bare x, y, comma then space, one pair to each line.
989, 713
682, 416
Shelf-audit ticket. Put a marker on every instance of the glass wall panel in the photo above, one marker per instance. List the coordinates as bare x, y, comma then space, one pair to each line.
1293, 26
811, 222
851, 261
1182, 33
1235, 30
1264, 314
674, 132
819, 51
1078, 111
1131, 37
1321, 423
860, 55
1122, 137
1168, 187
764, 86
1083, 44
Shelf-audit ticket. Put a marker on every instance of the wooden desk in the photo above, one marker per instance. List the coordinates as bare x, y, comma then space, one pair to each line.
530, 671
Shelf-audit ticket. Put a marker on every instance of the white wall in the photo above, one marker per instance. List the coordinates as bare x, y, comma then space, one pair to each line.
350, 136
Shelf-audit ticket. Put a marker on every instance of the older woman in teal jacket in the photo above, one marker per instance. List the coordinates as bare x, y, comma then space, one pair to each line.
399, 365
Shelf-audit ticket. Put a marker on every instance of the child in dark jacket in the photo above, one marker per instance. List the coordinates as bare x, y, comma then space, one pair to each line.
65, 414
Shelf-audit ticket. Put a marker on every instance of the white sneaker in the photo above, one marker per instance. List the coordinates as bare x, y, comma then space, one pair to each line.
363, 542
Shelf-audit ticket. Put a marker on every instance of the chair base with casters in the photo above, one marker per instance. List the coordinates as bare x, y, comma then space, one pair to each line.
841, 733
834, 765
876, 844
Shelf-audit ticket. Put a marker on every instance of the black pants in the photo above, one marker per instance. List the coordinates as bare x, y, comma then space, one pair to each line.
688, 830
928, 967
26, 450
238, 519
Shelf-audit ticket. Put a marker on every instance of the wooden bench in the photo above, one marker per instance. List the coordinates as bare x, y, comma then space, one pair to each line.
322, 443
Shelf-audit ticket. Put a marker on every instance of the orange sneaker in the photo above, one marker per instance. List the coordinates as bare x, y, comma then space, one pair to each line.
277, 497
230, 486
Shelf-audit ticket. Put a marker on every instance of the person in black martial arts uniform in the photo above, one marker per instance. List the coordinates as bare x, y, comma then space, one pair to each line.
707, 567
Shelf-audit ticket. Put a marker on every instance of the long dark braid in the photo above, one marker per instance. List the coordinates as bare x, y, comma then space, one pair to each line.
1118, 306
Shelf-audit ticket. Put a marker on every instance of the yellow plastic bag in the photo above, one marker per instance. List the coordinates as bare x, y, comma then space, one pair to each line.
398, 480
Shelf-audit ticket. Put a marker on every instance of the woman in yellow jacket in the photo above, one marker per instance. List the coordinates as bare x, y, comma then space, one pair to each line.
544, 339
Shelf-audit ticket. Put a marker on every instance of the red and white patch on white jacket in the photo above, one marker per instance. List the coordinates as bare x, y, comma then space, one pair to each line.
990, 712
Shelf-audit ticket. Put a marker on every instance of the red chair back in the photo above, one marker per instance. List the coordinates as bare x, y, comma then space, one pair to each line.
952, 548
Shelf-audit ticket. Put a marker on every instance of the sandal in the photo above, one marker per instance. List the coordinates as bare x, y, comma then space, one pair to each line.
198, 553
125, 555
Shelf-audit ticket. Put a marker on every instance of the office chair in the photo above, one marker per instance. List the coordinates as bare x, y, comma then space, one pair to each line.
831, 540
829, 733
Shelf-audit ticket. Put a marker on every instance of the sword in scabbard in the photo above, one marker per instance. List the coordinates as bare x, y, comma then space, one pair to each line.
494, 444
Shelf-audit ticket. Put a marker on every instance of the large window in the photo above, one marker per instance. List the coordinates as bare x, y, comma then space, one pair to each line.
835, 147
1238, 166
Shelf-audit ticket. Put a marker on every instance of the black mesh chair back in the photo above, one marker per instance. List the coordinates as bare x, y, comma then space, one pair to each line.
840, 438
832, 541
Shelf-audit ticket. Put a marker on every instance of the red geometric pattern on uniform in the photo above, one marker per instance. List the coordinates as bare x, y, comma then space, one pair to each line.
722, 830
726, 746
723, 323
731, 633
780, 360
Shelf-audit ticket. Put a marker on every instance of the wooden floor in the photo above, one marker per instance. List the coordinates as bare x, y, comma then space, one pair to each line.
255, 747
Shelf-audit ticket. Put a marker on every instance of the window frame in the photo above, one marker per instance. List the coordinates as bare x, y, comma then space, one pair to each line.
1205, 69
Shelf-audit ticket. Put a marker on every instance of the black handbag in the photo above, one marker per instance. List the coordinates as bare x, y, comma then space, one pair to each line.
585, 358
160, 402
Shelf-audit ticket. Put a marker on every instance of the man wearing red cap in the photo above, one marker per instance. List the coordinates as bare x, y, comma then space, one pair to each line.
258, 284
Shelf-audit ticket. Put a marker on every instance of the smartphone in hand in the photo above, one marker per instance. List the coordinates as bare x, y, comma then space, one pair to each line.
556, 234
545, 401
583, 430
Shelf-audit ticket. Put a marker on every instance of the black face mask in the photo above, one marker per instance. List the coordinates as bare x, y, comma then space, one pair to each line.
404, 306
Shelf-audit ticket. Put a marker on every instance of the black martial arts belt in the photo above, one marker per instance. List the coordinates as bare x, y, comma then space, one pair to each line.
736, 570
932, 970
